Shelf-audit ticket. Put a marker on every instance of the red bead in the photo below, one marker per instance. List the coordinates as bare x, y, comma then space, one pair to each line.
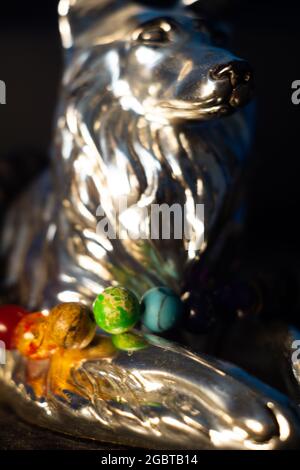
10, 315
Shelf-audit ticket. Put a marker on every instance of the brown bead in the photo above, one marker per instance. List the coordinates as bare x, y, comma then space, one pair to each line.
70, 325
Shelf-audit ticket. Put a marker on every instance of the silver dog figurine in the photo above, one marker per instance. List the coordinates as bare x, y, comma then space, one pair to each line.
142, 91
136, 120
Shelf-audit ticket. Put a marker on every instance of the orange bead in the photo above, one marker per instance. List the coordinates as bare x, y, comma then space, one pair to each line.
29, 336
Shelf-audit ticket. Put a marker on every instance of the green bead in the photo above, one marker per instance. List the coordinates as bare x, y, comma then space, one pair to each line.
129, 342
161, 308
116, 310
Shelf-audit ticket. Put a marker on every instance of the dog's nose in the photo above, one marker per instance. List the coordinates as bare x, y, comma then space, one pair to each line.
238, 72
241, 79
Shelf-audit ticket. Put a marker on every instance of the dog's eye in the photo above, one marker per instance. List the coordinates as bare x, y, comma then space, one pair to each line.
156, 33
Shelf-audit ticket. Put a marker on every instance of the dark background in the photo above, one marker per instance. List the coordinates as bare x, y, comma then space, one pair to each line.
267, 35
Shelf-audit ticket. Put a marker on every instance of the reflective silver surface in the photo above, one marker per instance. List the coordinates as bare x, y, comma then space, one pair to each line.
136, 119
159, 397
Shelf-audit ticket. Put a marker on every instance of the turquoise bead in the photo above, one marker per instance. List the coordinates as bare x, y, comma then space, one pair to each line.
161, 309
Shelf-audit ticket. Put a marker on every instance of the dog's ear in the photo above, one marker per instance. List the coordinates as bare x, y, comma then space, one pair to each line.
88, 22
76, 17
